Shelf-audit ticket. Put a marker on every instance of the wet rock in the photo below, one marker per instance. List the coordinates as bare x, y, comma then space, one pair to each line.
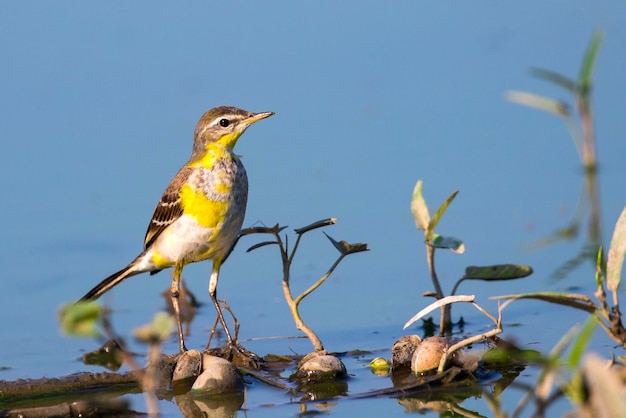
319, 367
403, 349
428, 354
188, 368
218, 376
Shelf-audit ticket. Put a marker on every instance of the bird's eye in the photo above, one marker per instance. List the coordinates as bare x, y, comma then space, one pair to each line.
224, 123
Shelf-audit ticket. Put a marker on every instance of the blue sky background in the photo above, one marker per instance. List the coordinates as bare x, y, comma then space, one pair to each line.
99, 102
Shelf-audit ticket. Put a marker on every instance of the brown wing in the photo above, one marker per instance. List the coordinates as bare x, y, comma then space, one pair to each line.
168, 209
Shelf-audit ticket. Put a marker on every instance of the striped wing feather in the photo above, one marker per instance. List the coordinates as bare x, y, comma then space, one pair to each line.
168, 209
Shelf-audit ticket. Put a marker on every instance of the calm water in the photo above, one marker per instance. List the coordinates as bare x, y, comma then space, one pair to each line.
99, 106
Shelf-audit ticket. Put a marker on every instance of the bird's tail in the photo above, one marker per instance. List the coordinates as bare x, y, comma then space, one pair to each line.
110, 282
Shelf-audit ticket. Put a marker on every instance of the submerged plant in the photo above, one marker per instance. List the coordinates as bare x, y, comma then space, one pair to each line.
435, 241
608, 315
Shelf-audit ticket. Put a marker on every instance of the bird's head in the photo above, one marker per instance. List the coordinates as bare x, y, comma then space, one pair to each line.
222, 126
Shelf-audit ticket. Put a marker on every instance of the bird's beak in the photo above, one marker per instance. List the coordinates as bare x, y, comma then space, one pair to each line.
257, 117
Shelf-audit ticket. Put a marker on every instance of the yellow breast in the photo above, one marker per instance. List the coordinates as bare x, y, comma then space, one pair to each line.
206, 211
217, 182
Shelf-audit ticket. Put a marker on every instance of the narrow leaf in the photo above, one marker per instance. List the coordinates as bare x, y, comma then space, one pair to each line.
555, 78
498, 272
439, 303
585, 78
581, 342
419, 208
538, 102
511, 356
573, 300
617, 250
599, 261
435, 220
450, 243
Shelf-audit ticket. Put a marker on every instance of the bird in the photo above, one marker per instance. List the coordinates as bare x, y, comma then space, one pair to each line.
200, 213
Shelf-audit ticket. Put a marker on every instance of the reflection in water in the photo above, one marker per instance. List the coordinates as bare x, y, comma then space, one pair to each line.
582, 131
219, 406
187, 305
308, 409
588, 203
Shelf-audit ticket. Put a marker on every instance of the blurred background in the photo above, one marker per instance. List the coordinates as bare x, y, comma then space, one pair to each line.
99, 102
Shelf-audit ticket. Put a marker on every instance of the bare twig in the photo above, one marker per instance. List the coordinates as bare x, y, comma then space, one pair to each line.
287, 259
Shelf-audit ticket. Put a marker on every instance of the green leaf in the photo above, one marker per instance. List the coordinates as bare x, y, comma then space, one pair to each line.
574, 300
419, 208
599, 261
617, 250
80, 319
555, 78
510, 356
498, 272
435, 220
581, 342
450, 243
585, 78
157, 331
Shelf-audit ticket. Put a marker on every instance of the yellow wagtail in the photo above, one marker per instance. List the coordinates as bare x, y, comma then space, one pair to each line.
201, 211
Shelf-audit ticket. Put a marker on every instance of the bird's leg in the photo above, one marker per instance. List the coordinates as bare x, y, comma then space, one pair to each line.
234, 352
213, 293
178, 270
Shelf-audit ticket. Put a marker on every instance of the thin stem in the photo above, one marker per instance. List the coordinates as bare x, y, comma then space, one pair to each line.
320, 281
295, 248
444, 320
456, 285
599, 317
586, 122
488, 315
293, 307
430, 256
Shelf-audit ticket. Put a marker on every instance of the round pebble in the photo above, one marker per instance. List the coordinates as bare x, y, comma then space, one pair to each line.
428, 354
321, 367
403, 349
218, 376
